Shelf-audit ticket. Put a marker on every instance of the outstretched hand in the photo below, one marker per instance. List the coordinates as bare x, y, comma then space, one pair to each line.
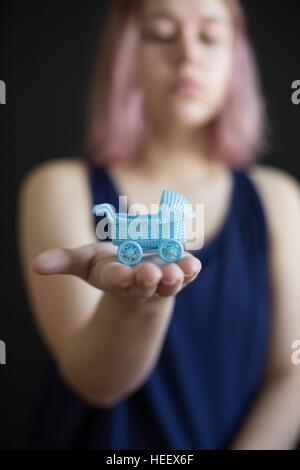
97, 264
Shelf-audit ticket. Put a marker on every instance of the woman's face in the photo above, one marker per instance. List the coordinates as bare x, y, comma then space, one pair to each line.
185, 60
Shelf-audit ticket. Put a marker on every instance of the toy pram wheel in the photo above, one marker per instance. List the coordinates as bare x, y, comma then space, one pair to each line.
130, 253
170, 251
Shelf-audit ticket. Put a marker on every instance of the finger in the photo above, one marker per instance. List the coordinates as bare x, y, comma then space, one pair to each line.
191, 266
189, 263
171, 281
147, 276
69, 261
112, 276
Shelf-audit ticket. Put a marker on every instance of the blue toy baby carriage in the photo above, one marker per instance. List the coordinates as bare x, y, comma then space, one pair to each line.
163, 232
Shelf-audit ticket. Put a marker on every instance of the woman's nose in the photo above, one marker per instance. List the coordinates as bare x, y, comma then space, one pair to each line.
190, 49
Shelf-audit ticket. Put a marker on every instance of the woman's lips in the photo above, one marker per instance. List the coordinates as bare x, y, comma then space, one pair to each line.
187, 86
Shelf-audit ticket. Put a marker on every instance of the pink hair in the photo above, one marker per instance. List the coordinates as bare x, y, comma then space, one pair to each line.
115, 122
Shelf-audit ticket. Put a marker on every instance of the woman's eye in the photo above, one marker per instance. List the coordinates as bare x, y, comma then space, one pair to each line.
159, 37
210, 39
162, 31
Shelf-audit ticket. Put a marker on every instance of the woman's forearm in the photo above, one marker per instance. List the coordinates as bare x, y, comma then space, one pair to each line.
274, 421
113, 354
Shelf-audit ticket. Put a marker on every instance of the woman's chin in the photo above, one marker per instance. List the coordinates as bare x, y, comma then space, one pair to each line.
189, 114
189, 120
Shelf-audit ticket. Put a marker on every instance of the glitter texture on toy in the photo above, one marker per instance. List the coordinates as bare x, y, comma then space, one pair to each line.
163, 233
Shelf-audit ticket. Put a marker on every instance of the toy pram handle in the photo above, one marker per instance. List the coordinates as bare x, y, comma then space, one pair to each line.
105, 209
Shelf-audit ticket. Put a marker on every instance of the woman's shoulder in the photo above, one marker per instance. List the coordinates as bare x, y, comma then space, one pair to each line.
279, 193
64, 167
265, 177
54, 207
55, 178
51, 190
277, 188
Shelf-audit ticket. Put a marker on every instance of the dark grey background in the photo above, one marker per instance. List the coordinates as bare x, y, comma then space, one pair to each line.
46, 51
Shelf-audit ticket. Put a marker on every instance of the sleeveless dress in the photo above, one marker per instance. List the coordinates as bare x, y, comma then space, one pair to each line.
211, 364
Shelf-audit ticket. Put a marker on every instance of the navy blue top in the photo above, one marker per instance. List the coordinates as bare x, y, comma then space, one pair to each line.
212, 360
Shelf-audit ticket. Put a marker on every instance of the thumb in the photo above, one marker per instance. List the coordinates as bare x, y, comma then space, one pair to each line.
67, 261
54, 261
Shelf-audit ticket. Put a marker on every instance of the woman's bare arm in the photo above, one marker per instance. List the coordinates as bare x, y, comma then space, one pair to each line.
274, 421
105, 338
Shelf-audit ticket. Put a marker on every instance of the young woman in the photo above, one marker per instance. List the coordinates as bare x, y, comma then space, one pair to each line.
157, 355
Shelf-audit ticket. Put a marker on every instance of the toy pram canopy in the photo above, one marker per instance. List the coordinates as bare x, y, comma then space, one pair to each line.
174, 206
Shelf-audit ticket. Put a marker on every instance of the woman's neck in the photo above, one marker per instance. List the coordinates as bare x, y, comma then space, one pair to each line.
178, 154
